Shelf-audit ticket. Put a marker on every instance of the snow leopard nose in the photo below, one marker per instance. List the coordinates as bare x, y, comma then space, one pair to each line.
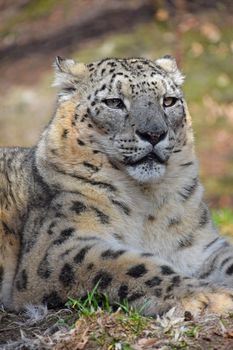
152, 137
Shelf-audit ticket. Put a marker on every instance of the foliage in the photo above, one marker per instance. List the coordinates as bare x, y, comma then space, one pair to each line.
224, 219
89, 305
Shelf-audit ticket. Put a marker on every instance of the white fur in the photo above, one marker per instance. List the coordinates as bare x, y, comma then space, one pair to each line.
168, 64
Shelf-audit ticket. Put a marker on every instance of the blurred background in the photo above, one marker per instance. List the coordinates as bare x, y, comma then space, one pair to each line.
198, 33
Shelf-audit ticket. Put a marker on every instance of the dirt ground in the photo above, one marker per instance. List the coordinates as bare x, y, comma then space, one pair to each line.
63, 330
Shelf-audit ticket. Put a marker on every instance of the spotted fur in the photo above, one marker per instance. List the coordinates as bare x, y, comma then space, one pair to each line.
110, 195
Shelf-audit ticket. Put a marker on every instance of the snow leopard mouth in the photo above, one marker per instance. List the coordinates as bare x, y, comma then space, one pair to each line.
149, 159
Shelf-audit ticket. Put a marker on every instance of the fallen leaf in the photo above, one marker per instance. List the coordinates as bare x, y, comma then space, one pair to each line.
229, 334
144, 343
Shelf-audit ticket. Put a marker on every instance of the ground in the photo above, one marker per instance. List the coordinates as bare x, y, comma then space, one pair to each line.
32, 33
87, 326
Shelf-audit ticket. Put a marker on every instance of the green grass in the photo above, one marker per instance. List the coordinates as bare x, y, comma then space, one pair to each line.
89, 305
133, 318
223, 218
106, 329
193, 331
95, 300
127, 324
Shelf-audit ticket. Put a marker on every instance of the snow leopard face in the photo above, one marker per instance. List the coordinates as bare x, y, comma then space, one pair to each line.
135, 108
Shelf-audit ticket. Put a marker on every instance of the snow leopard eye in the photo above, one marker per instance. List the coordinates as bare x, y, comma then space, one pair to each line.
115, 103
169, 101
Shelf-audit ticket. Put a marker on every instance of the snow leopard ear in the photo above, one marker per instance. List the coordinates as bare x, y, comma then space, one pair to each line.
68, 73
168, 64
